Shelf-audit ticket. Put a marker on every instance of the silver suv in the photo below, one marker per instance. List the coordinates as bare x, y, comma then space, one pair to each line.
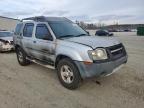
60, 44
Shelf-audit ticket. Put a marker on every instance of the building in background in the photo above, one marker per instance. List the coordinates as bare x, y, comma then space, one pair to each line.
8, 23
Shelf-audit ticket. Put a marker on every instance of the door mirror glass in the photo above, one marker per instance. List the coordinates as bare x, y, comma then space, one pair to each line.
47, 37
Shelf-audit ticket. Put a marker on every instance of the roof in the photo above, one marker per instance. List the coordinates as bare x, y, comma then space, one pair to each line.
9, 18
48, 19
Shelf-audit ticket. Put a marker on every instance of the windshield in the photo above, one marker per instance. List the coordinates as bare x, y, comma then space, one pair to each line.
5, 34
67, 29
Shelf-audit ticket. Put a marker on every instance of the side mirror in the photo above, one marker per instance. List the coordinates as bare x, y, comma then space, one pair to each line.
48, 37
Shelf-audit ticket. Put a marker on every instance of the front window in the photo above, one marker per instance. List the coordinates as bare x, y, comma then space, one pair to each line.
42, 32
6, 34
66, 29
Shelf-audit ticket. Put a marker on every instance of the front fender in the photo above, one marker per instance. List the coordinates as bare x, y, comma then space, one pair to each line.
75, 51
71, 54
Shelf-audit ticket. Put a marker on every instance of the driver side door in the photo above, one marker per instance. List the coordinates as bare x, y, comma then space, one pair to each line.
43, 43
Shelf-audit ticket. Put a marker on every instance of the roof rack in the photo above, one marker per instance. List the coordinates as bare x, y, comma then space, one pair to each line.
46, 19
37, 18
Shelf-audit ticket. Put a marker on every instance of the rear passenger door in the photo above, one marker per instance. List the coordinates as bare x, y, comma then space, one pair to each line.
27, 40
43, 44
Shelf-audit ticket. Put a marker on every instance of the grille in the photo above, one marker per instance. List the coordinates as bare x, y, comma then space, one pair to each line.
116, 51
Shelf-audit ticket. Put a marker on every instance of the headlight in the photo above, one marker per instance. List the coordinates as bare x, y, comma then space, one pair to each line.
98, 54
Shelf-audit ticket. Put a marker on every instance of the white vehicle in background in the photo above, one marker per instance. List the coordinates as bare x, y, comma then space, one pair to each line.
134, 30
6, 41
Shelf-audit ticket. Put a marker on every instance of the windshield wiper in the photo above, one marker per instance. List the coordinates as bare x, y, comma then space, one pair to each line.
66, 36
81, 35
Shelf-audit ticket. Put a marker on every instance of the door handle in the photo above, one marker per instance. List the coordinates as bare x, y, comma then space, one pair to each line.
34, 41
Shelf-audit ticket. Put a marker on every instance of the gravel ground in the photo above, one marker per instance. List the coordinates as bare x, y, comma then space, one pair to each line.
34, 86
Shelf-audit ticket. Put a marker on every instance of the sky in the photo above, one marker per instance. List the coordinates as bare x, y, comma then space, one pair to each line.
90, 11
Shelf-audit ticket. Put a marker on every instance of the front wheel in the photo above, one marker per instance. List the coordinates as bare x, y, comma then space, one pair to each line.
21, 57
68, 74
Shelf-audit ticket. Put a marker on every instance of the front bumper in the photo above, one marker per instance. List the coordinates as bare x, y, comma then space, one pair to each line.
99, 69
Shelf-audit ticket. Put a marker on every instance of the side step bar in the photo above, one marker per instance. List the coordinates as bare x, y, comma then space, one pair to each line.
42, 63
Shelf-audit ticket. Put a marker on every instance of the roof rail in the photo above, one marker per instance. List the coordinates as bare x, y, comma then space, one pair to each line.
37, 18
46, 19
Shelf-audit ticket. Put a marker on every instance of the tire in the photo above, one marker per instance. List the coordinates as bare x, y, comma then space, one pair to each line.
21, 57
72, 79
0, 48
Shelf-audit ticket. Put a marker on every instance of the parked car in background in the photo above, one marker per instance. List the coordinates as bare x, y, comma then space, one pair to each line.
6, 41
58, 43
127, 30
113, 30
133, 30
103, 33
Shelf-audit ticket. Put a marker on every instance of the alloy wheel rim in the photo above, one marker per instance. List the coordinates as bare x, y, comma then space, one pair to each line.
67, 74
20, 56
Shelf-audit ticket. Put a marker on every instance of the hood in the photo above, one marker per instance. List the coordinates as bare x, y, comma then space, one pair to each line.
6, 38
94, 41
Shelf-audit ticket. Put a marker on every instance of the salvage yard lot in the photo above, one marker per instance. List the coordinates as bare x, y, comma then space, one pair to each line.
34, 86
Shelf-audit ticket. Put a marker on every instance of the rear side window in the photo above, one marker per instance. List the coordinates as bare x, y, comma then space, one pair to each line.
18, 29
28, 30
42, 32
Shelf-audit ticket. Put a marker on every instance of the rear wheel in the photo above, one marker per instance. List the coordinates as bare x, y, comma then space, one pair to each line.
21, 57
68, 74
